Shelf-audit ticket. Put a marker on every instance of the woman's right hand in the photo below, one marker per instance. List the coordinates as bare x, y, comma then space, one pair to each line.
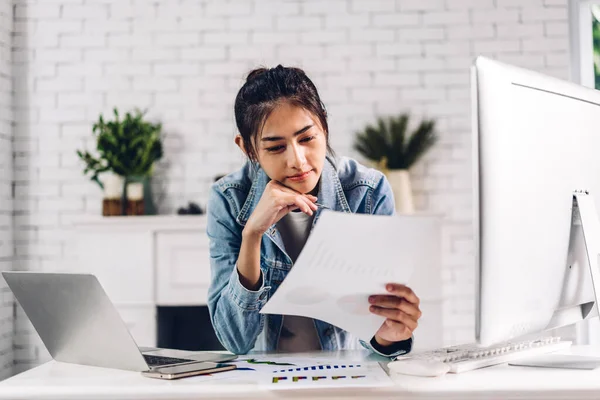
276, 201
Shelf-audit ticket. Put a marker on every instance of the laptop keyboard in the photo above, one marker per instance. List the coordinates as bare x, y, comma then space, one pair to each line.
155, 361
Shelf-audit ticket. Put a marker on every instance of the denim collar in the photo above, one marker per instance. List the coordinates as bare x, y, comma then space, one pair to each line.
330, 194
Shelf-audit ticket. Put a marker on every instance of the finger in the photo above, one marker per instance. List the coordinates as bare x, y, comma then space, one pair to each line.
305, 200
402, 291
396, 315
396, 302
385, 301
310, 198
311, 203
287, 208
286, 205
297, 200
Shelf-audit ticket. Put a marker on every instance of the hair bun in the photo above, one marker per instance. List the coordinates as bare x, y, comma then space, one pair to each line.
255, 73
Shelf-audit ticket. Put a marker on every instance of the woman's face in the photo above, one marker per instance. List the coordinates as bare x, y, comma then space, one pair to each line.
291, 148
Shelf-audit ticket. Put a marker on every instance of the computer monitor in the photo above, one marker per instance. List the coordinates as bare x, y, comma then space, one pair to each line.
536, 141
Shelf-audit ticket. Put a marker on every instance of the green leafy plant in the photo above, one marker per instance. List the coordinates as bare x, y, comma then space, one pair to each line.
388, 145
595, 9
127, 147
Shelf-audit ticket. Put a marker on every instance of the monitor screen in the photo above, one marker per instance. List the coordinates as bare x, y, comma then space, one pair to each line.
536, 140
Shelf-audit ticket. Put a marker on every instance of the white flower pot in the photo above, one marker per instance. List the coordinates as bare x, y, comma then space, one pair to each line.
135, 191
113, 185
400, 181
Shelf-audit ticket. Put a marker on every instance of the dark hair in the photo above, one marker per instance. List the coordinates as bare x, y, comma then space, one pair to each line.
264, 90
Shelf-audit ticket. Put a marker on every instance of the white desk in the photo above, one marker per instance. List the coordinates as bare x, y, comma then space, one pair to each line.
66, 381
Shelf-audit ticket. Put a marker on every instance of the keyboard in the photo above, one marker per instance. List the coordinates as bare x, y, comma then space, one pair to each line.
156, 361
464, 358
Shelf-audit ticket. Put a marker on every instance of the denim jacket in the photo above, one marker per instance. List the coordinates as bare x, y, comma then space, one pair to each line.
345, 186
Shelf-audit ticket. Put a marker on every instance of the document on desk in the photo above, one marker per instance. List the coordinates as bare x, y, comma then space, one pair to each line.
349, 257
368, 374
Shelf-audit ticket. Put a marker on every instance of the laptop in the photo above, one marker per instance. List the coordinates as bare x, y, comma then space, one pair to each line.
79, 324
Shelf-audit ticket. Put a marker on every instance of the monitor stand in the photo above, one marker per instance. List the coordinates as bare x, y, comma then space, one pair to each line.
584, 213
585, 208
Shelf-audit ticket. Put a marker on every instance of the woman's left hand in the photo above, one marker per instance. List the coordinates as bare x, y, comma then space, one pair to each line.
400, 308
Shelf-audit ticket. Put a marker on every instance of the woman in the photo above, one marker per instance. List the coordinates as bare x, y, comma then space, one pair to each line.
260, 217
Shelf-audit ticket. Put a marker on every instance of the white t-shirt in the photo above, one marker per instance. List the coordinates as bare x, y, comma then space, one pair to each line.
298, 334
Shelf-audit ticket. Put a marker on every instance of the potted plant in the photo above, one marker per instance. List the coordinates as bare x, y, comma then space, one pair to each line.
127, 150
393, 152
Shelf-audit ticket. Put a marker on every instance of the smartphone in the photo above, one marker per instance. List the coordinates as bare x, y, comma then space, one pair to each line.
188, 369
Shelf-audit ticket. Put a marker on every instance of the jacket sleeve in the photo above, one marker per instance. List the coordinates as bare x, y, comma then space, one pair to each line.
234, 310
383, 204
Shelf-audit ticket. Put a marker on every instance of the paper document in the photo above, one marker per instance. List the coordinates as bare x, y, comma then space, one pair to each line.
262, 368
335, 375
349, 257
266, 364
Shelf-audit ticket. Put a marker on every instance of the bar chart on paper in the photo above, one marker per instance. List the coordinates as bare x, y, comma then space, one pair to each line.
333, 375
335, 251
334, 367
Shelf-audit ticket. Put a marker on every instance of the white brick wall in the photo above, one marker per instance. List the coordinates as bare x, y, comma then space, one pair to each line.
186, 60
6, 176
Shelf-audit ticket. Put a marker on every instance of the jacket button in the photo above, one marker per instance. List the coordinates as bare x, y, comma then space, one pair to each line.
263, 295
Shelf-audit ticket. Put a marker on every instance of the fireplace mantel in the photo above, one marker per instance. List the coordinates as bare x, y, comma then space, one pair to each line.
145, 262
